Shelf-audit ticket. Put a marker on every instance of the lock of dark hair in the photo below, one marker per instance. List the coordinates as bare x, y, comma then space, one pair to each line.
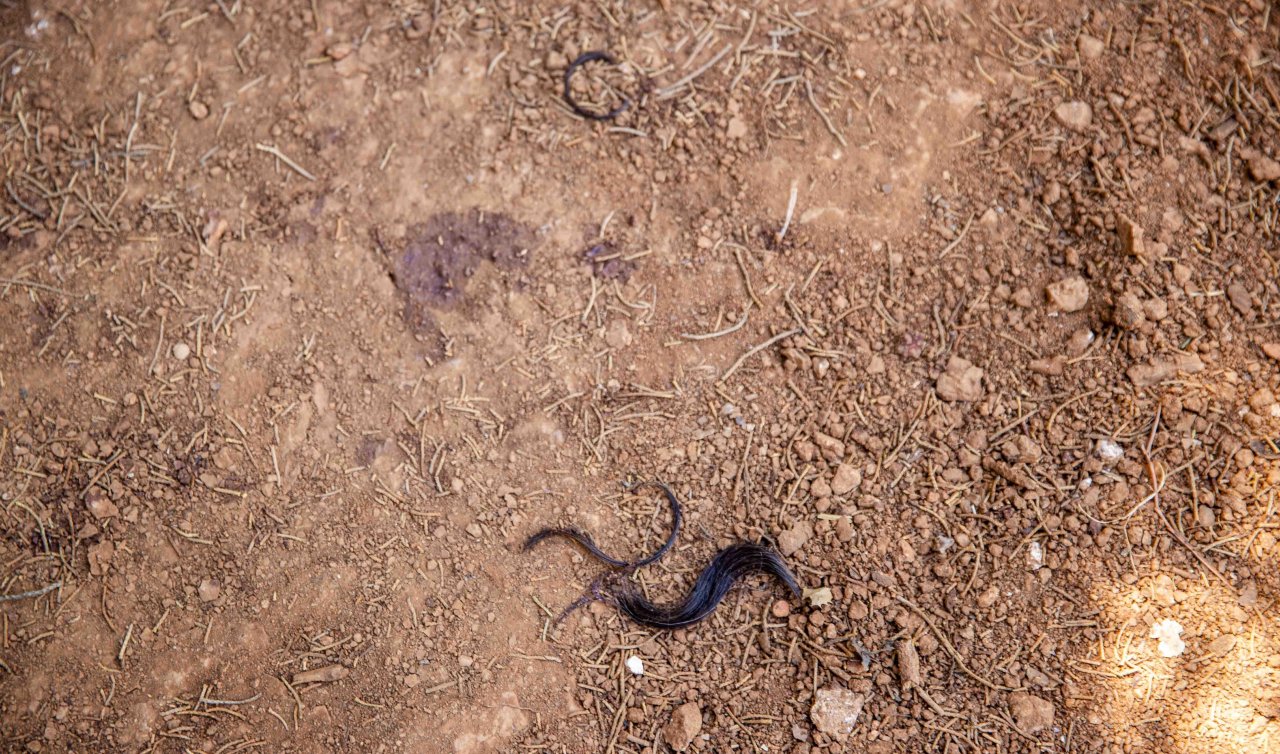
588, 544
711, 586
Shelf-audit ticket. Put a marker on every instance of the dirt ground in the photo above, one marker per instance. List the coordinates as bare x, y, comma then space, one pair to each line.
313, 311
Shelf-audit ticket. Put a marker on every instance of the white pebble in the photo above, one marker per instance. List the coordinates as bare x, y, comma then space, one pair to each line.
635, 665
181, 351
1035, 556
1109, 451
1169, 634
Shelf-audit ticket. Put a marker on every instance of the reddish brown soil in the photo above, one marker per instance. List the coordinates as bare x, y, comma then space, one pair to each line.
313, 311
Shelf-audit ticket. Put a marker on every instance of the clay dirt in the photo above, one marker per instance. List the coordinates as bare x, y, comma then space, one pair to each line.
312, 312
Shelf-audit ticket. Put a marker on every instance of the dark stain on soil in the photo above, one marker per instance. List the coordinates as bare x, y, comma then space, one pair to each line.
446, 251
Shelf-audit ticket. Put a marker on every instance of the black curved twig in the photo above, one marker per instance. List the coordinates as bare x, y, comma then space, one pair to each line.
583, 59
582, 538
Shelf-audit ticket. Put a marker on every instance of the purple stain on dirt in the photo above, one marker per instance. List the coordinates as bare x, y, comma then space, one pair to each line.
441, 254
606, 263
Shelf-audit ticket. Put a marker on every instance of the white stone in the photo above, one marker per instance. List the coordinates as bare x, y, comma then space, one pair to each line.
1109, 451
1169, 633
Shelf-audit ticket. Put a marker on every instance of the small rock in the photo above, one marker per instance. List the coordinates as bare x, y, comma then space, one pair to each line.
908, 663
1030, 713
1075, 115
1052, 193
1261, 167
1268, 706
214, 229
1240, 299
1128, 312
1156, 309
1090, 47
961, 382
685, 725
736, 129
181, 351
1162, 368
1168, 633
835, 711
832, 449
791, 540
617, 335
1248, 594
781, 609
327, 674
846, 479
1272, 350
1022, 449
1205, 516
1069, 295
1080, 341
100, 505
209, 590
988, 597
1222, 645
1035, 556
1131, 242
411, 680
554, 61
1050, 367
100, 556
1109, 451
635, 665
339, 50
819, 597
198, 109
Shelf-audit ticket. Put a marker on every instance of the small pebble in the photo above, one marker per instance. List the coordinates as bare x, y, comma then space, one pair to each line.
209, 590
1109, 451
1168, 633
1069, 295
198, 109
635, 665
181, 351
781, 609
1074, 115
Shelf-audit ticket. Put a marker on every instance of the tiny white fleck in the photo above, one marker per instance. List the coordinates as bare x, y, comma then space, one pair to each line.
635, 665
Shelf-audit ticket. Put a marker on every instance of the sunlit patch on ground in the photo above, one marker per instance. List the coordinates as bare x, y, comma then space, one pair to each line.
1221, 692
